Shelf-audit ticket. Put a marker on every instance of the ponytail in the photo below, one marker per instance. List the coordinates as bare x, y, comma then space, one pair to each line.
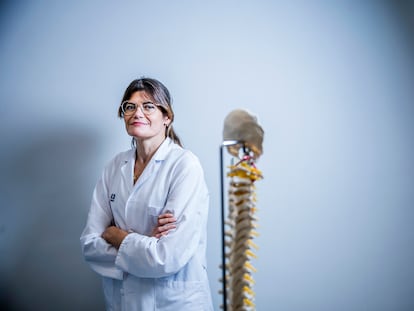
169, 132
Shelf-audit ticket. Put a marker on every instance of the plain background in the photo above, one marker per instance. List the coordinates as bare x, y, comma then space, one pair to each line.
331, 83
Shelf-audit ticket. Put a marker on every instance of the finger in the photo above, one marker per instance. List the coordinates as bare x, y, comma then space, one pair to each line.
159, 235
165, 215
164, 221
163, 228
166, 228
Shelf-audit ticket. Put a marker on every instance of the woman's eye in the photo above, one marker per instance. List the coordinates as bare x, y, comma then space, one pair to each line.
148, 107
129, 107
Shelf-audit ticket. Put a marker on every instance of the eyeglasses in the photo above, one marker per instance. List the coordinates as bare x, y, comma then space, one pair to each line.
129, 108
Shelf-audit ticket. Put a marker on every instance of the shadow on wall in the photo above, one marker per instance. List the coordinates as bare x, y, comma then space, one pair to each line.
46, 186
404, 11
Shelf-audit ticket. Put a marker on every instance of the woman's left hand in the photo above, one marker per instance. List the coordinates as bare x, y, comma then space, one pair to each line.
165, 223
114, 236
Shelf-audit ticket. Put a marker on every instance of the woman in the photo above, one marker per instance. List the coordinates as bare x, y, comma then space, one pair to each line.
146, 229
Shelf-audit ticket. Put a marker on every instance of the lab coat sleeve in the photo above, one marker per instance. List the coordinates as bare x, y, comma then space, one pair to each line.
149, 257
99, 254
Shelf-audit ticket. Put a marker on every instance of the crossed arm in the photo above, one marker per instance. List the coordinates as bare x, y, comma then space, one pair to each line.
114, 235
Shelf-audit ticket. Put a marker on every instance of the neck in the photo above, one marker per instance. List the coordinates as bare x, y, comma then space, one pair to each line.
146, 149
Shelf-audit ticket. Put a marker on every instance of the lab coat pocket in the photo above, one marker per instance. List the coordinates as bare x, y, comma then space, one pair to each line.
181, 295
108, 289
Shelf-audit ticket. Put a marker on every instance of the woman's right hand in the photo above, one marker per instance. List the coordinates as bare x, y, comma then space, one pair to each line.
165, 223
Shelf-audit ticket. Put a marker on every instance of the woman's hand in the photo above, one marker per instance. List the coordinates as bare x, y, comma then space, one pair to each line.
165, 223
114, 236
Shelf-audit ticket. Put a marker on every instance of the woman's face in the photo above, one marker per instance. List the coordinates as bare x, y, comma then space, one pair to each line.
144, 126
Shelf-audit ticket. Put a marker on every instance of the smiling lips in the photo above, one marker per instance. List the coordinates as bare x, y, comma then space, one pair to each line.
138, 123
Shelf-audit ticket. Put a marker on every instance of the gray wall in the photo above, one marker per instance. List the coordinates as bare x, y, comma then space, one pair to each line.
331, 83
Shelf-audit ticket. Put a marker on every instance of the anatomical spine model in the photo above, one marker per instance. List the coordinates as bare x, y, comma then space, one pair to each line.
243, 137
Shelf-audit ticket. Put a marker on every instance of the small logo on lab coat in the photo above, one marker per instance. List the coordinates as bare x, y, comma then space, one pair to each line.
112, 197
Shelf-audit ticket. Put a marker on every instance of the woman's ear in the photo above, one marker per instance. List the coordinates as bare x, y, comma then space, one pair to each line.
167, 121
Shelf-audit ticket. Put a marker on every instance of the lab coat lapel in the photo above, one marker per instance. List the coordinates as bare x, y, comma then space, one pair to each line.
127, 168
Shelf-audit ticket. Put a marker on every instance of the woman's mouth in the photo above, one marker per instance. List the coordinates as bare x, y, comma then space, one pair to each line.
138, 123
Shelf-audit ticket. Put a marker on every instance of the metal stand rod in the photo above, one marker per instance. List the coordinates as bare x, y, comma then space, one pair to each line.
223, 241
223, 219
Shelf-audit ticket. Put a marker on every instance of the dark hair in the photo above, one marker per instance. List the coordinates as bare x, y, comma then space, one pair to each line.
161, 96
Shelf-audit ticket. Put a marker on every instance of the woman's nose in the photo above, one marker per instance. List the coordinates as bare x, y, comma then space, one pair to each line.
139, 112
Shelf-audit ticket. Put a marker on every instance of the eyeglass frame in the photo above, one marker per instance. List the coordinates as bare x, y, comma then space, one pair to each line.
124, 113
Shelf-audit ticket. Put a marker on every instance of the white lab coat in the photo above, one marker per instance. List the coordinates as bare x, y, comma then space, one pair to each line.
147, 273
